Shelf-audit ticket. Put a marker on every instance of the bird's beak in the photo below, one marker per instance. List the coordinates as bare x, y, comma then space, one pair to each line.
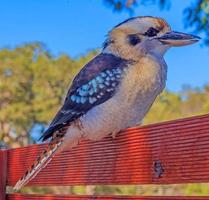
174, 38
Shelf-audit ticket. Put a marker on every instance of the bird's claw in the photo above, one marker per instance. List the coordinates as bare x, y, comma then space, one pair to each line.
114, 134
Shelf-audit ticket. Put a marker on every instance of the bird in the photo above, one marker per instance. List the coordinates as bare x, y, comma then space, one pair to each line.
115, 89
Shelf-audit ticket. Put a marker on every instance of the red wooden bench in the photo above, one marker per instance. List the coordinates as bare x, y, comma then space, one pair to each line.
164, 153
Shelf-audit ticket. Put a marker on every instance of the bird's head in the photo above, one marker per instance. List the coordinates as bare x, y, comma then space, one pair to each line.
137, 36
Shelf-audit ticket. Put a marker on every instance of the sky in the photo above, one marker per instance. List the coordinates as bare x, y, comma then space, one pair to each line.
75, 27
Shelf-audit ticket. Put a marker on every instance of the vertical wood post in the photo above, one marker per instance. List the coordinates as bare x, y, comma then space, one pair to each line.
3, 174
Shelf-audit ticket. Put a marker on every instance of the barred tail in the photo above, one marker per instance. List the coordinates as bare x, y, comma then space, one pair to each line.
40, 162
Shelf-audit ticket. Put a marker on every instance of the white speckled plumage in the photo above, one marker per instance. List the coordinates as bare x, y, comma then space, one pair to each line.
115, 90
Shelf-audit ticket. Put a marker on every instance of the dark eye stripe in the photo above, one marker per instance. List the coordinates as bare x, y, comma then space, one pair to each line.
151, 32
133, 39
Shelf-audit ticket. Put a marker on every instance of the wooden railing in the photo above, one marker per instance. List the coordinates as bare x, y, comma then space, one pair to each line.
171, 152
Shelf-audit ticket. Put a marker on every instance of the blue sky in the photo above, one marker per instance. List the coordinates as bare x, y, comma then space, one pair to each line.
74, 27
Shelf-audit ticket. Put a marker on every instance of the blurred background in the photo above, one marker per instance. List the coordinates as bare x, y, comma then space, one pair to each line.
44, 43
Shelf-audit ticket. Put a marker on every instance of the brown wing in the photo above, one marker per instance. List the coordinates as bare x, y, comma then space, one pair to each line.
94, 84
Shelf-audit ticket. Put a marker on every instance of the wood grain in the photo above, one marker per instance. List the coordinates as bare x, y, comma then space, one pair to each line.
3, 173
164, 153
93, 197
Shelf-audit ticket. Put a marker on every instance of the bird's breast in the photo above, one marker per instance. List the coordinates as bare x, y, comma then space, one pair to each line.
139, 88
142, 80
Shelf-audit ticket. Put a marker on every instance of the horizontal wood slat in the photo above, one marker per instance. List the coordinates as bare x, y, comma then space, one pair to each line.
93, 197
3, 173
164, 153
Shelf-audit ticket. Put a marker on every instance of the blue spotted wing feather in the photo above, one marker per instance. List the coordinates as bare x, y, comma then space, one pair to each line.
94, 84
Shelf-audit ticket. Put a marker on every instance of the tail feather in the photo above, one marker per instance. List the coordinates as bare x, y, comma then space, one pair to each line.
40, 163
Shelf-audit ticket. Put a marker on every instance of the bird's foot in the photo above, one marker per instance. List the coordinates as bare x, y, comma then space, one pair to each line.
114, 134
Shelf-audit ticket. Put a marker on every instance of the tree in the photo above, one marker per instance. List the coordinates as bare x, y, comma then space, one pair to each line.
32, 87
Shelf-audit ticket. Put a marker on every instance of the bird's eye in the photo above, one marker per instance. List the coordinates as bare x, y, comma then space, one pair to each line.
133, 39
151, 32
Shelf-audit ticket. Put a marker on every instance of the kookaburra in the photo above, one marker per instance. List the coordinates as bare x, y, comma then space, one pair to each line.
115, 89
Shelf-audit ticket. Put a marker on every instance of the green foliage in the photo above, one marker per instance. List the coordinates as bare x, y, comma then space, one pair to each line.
197, 17
198, 189
129, 5
187, 103
32, 87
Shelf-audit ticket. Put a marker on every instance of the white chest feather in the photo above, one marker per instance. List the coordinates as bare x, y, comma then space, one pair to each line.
140, 86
